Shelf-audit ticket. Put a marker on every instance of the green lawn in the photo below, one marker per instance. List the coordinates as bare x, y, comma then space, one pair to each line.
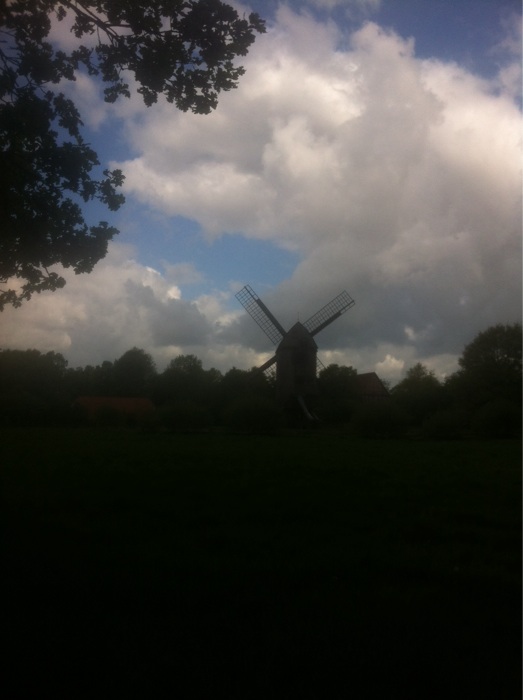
293, 566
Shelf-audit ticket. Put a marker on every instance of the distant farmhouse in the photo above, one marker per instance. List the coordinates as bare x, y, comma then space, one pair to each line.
130, 410
370, 387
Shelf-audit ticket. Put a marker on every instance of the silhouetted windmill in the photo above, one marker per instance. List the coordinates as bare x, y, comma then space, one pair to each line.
296, 353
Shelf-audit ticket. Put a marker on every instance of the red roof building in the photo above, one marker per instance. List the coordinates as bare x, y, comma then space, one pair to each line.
371, 388
93, 406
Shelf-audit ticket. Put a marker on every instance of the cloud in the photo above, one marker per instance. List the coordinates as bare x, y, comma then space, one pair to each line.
508, 53
123, 304
119, 305
184, 272
510, 44
353, 8
395, 178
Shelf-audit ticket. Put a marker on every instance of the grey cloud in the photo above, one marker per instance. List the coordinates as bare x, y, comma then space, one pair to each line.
396, 179
172, 321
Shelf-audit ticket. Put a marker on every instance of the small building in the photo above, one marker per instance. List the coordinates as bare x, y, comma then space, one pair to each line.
370, 387
130, 410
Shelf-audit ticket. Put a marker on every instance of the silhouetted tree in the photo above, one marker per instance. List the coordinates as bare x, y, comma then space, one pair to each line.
90, 381
239, 384
182, 50
180, 381
185, 379
187, 365
133, 374
490, 366
31, 386
187, 393
247, 401
419, 394
487, 387
337, 393
337, 382
32, 372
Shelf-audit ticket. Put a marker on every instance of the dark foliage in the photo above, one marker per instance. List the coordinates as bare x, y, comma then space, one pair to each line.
379, 420
182, 416
133, 374
187, 394
184, 51
447, 424
337, 394
490, 367
30, 372
254, 414
483, 399
497, 419
420, 394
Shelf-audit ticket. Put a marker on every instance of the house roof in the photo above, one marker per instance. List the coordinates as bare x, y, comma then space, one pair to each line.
370, 386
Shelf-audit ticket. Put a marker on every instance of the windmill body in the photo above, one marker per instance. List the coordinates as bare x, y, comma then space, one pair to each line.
296, 358
296, 353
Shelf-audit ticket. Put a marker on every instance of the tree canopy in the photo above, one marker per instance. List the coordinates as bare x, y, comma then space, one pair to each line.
482, 399
419, 393
490, 366
499, 347
184, 50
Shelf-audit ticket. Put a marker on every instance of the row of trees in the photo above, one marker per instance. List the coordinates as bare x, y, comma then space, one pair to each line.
483, 396
38, 387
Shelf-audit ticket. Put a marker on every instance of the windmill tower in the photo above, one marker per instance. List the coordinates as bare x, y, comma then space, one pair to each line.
296, 352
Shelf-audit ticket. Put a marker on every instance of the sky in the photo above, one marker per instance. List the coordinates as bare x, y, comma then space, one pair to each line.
372, 146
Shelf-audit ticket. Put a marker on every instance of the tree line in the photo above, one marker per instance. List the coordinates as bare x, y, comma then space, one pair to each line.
482, 398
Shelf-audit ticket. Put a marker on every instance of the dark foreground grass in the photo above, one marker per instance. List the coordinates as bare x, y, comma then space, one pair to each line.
299, 566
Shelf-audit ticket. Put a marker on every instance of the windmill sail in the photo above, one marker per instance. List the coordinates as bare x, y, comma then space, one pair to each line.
255, 307
268, 365
329, 313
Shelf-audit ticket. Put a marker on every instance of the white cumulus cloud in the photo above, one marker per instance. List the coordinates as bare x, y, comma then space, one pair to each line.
396, 178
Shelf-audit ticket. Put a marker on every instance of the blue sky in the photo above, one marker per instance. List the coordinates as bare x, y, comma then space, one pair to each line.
371, 146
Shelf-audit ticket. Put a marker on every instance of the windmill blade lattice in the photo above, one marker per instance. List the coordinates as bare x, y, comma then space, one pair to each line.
329, 313
269, 367
255, 307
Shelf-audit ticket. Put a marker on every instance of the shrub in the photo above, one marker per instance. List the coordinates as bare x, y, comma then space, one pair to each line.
381, 419
23, 410
184, 416
253, 415
497, 419
336, 412
449, 424
109, 417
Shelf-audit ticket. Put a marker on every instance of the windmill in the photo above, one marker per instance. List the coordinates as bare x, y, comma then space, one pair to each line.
296, 352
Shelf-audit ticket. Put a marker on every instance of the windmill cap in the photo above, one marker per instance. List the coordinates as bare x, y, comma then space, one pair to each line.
298, 335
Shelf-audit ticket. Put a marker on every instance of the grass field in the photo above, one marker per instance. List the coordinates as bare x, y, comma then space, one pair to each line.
292, 566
